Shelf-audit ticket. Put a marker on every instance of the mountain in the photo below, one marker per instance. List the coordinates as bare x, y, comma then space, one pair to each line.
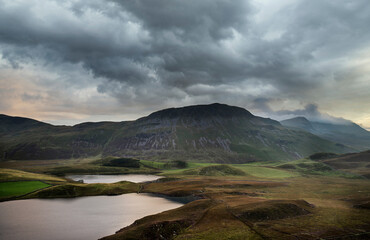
28, 139
9, 125
349, 134
209, 133
298, 122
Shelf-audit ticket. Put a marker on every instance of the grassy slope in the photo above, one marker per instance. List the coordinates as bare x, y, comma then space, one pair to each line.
79, 190
356, 163
215, 170
248, 209
17, 175
252, 170
266, 172
11, 189
11, 186
309, 167
272, 170
73, 166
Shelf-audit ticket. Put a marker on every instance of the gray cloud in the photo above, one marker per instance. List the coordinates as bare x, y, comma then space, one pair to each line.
154, 54
310, 111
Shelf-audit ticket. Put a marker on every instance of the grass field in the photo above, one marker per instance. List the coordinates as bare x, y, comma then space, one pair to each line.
17, 175
10, 189
266, 172
79, 190
53, 168
309, 167
253, 170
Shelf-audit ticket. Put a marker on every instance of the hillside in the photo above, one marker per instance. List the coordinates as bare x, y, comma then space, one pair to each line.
12, 125
27, 139
357, 163
349, 134
213, 132
206, 133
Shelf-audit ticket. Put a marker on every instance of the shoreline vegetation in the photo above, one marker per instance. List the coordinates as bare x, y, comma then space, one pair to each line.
287, 200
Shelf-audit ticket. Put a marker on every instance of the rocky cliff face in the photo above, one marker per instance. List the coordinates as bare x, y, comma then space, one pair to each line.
214, 132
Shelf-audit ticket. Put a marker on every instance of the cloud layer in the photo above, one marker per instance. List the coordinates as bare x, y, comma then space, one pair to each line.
85, 59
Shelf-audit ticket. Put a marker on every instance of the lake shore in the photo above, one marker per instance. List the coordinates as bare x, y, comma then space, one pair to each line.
285, 205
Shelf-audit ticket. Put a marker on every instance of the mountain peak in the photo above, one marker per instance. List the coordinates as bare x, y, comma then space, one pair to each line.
298, 119
343, 132
203, 111
298, 122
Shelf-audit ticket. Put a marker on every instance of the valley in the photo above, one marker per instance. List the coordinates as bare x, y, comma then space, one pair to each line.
236, 201
185, 120
241, 176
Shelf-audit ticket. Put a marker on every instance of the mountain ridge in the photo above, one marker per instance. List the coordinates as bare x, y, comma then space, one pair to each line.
212, 133
349, 134
203, 110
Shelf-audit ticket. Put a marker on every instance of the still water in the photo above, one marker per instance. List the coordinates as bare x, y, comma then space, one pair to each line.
136, 178
78, 218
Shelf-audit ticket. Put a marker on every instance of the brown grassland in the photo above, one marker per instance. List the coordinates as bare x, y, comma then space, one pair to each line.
245, 206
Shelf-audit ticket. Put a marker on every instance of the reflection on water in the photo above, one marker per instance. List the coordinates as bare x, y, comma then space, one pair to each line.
78, 218
114, 178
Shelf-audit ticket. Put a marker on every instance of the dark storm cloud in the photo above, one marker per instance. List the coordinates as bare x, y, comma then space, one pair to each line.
262, 104
310, 111
154, 53
191, 20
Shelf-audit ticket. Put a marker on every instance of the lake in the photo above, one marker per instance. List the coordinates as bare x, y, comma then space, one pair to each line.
136, 178
77, 218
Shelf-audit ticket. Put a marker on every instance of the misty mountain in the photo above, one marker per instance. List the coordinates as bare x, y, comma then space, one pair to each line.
347, 133
209, 133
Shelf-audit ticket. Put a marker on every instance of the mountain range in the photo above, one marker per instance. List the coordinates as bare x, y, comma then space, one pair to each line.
346, 132
202, 133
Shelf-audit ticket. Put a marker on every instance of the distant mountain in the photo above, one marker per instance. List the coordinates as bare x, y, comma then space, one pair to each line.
209, 133
349, 134
28, 139
298, 122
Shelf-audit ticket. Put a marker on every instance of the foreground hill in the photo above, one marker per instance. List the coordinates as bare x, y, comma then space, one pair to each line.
357, 163
209, 133
348, 133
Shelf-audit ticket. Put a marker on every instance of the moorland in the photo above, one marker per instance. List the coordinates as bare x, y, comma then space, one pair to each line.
302, 199
247, 177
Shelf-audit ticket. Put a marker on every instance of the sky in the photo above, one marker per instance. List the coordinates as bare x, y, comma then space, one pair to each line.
70, 61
